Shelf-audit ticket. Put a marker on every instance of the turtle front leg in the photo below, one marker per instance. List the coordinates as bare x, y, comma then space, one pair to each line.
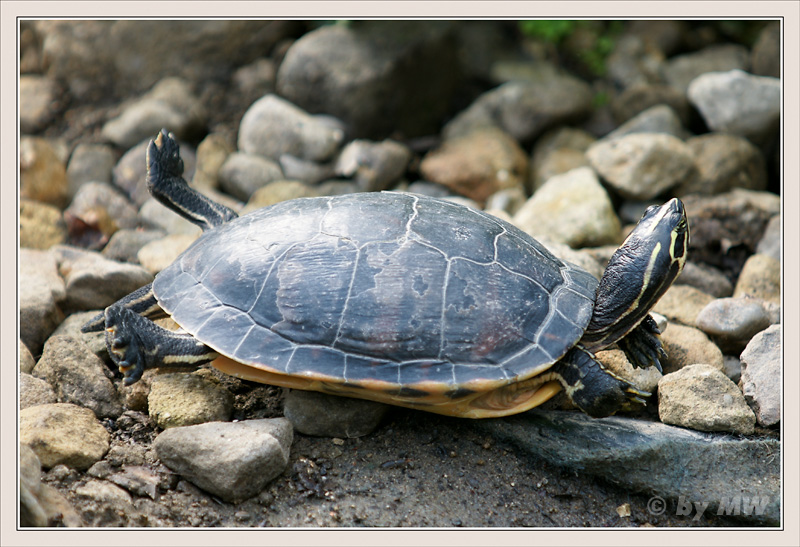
135, 344
593, 388
642, 346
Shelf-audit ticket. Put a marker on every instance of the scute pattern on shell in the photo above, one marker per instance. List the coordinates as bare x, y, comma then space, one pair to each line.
379, 287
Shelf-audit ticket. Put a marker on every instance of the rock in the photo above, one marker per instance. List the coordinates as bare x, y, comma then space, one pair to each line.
178, 400
34, 391
166, 219
275, 192
738, 103
653, 458
770, 242
90, 163
642, 165
41, 504
572, 208
688, 346
370, 75
242, 174
95, 341
256, 79
323, 415
761, 375
645, 379
732, 367
305, 171
478, 164
633, 60
726, 228
732, 322
507, 200
681, 70
135, 54
702, 397
40, 225
766, 52
656, 119
160, 253
234, 461
129, 174
706, 279
212, 152
41, 291
102, 206
42, 176
374, 166
760, 278
641, 97
93, 281
273, 126
112, 503
138, 480
682, 303
558, 151
525, 110
169, 104
26, 360
78, 376
38, 102
63, 433
124, 245
724, 162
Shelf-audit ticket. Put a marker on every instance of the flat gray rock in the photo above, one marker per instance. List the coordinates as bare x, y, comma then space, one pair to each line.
675, 464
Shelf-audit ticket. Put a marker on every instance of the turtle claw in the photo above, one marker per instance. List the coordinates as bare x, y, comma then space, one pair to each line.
123, 345
642, 346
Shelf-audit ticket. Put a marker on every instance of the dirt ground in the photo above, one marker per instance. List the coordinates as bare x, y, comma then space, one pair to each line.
416, 470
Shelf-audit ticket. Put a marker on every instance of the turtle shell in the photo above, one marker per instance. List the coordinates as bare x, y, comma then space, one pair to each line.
391, 291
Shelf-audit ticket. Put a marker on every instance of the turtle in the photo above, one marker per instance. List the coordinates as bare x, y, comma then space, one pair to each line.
395, 297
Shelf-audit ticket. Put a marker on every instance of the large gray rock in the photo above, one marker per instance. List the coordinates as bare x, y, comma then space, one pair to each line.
234, 461
656, 459
377, 76
739, 103
525, 109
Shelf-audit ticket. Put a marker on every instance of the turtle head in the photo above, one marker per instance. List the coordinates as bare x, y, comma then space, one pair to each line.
639, 273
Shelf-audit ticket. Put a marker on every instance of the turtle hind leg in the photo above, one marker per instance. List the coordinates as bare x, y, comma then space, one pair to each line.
166, 184
642, 346
595, 390
135, 344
